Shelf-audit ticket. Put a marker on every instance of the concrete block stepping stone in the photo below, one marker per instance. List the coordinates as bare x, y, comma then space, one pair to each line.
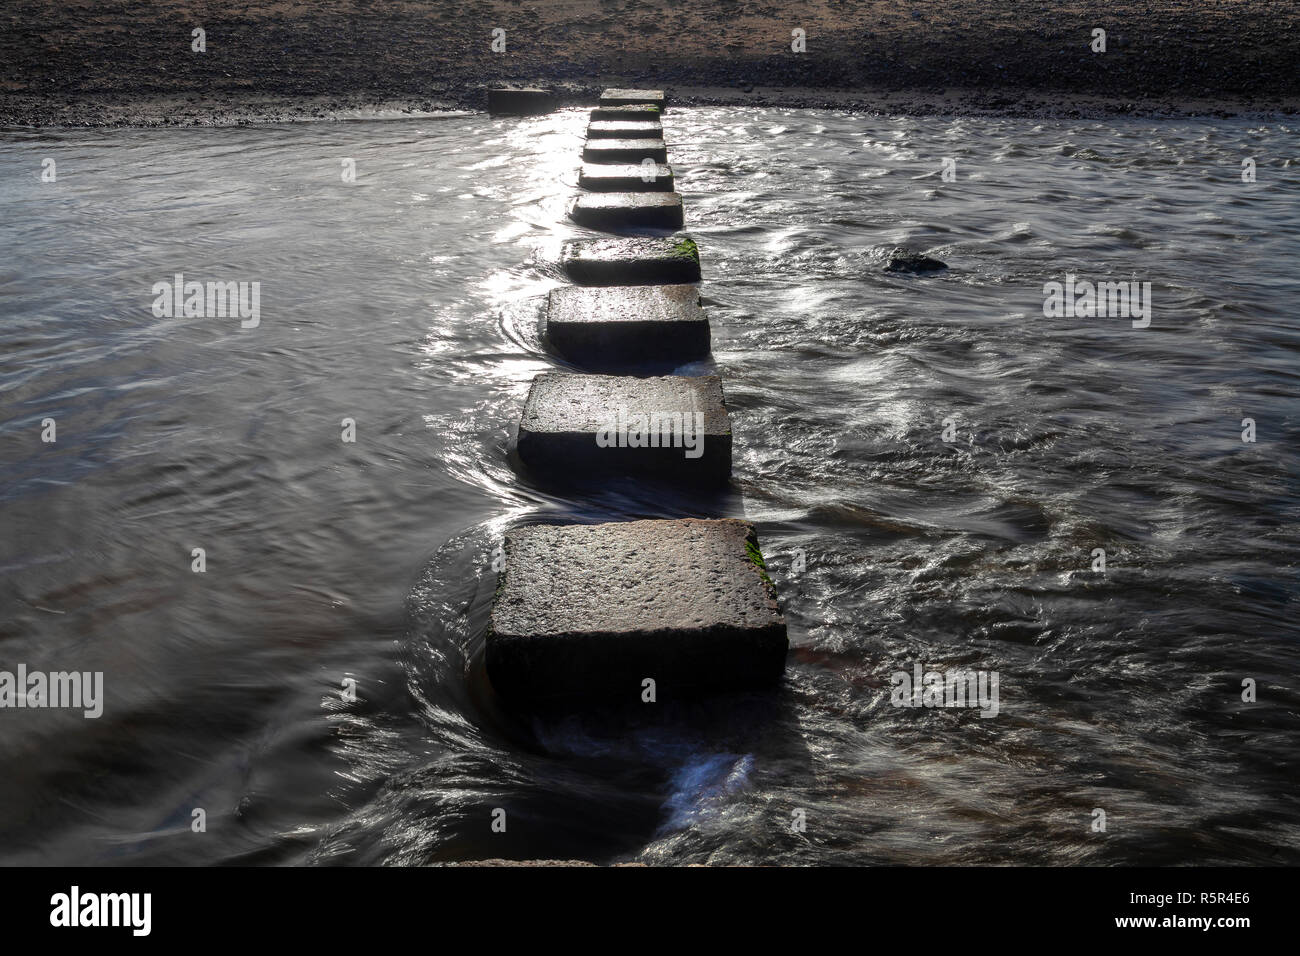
624, 151
632, 178
620, 212
620, 325
673, 427
525, 102
635, 111
667, 260
589, 612
626, 129
632, 98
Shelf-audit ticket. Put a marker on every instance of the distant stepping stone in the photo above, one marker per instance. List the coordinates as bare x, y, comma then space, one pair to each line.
624, 151
642, 261
526, 102
620, 212
632, 98
630, 178
624, 129
587, 613
673, 428
635, 111
619, 325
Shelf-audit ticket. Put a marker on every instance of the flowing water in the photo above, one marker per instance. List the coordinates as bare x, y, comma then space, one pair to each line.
931, 462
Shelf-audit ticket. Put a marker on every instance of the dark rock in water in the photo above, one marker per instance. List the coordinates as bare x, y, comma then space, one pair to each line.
588, 612
673, 428
903, 260
621, 212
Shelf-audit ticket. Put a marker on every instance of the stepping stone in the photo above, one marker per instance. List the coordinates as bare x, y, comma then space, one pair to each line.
632, 98
619, 212
624, 151
627, 129
664, 260
674, 427
625, 324
631, 178
527, 102
588, 613
636, 111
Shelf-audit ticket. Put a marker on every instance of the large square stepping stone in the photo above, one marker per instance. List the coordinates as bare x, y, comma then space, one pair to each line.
621, 325
673, 427
664, 260
594, 612
617, 97
624, 151
623, 212
633, 111
525, 102
626, 129
631, 178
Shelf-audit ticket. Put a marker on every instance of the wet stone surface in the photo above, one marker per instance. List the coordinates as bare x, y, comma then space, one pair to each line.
624, 151
672, 427
617, 212
618, 325
630, 177
594, 611
617, 97
632, 261
625, 129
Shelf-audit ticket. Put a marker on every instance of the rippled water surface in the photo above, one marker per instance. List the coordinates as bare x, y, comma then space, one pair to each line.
409, 302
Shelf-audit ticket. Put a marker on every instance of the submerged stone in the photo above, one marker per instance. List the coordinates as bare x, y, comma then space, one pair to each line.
618, 212
633, 611
625, 130
668, 260
522, 102
630, 178
620, 325
624, 151
615, 97
672, 427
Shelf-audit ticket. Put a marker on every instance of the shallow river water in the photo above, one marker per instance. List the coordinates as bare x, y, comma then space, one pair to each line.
932, 464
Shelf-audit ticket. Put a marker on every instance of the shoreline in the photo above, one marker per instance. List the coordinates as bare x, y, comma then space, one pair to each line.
132, 64
29, 111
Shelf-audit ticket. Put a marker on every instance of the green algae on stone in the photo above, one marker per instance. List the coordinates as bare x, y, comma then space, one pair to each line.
685, 248
756, 559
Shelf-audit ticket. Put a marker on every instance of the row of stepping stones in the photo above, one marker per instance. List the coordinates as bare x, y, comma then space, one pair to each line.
630, 611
